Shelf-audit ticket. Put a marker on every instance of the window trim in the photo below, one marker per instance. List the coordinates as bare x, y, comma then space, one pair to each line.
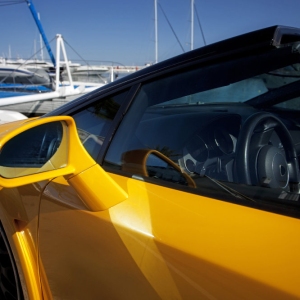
117, 120
131, 90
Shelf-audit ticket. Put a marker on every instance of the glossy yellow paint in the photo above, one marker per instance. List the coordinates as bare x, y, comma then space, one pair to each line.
7, 128
19, 216
105, 192
101, 265
88, 234
70, 160
71, 138
28, 264
21, 224
215, 249
175, 244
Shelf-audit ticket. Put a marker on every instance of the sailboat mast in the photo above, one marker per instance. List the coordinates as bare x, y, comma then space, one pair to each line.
156, 38
39, 25
192, 24
41, 44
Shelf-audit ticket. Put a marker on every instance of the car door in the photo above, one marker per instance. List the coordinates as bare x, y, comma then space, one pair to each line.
80, 250
218, 238
187, 230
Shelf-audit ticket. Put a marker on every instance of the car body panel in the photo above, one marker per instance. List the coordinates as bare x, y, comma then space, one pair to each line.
171, 246
19, 217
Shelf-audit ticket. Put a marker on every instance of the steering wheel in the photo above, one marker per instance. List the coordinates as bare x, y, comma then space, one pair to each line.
258, 162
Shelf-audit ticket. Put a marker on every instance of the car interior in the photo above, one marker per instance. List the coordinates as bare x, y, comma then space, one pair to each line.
235, 122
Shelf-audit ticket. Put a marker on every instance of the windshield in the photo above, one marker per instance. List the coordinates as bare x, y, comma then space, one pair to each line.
246, 89
274, 83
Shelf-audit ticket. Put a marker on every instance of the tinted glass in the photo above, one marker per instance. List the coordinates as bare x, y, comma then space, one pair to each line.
196, 117
34, 151
32, 148
94, 121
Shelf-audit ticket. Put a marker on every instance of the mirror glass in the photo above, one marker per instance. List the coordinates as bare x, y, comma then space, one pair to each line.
33, 151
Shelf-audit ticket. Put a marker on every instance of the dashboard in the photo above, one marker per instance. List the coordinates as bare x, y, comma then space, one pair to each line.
203, 141
210, 151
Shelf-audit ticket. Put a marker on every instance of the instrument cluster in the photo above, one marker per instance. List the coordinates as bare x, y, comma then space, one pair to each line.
210, 151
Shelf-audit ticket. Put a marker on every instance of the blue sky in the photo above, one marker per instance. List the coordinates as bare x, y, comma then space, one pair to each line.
123, 30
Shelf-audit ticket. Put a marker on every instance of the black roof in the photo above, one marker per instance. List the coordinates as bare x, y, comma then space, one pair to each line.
258, 40
267, 37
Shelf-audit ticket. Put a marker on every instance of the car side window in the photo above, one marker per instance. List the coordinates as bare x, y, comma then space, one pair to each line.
94, 121
150, 139
166, 133
184, 131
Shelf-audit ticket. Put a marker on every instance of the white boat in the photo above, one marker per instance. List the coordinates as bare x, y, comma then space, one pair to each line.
10, 70
17, 74
35, 63
43, 102
87, 73
64, 88
90, 70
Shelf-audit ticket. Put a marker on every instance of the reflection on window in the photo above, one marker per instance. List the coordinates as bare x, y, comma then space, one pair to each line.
194, 119
293, 104
236, 92
95, 120
160, 169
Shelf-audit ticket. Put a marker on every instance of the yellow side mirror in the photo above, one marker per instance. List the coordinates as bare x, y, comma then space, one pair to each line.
45, 148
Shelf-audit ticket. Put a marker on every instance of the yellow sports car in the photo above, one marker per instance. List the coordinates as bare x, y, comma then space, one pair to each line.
180, 181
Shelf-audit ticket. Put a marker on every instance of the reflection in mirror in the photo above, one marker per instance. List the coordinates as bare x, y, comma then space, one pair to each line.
34, 151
